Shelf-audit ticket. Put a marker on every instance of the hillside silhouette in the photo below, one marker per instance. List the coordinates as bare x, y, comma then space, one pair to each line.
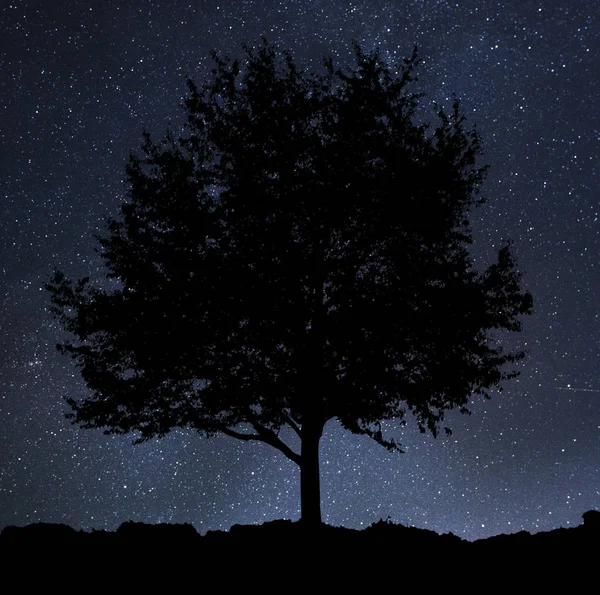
382, 539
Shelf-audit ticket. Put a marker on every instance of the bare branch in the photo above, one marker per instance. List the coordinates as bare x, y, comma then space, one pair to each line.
240, 435
267, 436
270, 437
292, 424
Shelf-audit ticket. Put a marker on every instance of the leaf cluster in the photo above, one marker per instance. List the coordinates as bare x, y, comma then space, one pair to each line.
301, 251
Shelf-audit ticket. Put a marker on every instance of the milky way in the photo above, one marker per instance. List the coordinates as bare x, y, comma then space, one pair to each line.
80, 82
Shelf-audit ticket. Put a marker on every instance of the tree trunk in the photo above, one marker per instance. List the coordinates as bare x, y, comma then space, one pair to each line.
310, 481
312, 414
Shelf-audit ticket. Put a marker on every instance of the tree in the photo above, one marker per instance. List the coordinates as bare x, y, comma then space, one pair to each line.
298, 254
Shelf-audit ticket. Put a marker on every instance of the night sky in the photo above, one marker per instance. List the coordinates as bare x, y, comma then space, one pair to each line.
80, 82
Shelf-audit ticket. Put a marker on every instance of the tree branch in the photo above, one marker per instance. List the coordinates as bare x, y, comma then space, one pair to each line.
270, 437
240, 436
264, 435
292, 424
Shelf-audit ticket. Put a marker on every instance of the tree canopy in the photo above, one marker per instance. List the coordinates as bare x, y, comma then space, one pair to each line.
298, 254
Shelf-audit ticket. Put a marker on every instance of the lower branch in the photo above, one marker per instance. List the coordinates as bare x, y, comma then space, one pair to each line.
267, 436
240, 435
292, 424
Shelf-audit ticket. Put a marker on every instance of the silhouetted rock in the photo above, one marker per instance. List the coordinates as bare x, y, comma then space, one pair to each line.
591, 520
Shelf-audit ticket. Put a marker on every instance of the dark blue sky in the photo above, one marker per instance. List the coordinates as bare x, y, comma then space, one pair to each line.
82, 79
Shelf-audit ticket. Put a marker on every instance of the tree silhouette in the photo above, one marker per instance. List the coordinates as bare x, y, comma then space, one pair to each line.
298, 254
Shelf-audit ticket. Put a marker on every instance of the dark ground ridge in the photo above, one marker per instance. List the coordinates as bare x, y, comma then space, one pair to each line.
381, 536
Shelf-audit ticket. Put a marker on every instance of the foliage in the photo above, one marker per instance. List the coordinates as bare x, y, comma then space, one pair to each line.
299, 254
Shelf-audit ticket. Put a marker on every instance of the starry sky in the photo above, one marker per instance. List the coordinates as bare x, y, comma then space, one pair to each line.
81, 80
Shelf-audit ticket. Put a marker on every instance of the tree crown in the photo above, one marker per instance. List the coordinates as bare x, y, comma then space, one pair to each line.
299, 253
